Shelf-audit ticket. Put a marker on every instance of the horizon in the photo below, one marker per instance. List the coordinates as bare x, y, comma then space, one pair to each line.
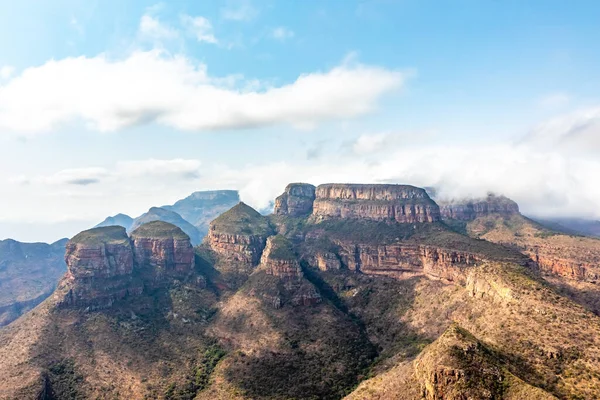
109, 108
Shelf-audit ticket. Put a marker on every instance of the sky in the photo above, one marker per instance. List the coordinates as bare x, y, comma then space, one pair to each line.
112, 107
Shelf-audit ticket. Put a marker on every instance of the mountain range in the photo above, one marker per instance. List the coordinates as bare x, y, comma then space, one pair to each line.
344, 291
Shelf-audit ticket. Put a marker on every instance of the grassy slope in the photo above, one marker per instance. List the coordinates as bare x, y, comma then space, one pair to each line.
159, 230
243, 220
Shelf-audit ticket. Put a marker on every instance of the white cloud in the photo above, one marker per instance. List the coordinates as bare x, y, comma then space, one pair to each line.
366, 143
282, 33
6, 71
173, 90
153, 28
555, 100
577, 132
180, 167
241, 10
200, 27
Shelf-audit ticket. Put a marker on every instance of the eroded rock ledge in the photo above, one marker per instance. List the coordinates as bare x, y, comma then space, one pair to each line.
400, 203
297, 200
102, 268
469, 209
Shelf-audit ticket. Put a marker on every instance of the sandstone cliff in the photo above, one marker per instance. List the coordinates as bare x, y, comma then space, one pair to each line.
469, 209
297, 200
163, 249
99, 268
279, 278
239, 236
400, 203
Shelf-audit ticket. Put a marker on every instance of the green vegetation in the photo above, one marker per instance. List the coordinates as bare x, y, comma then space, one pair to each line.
64, 381
106, 235
159, 230
281, 249
244, 220
199, 378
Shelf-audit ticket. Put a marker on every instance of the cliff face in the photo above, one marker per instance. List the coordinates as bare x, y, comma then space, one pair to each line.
99, 268
239, 236
468, 210
400, 203
104, 265
163, 249
279, 278
403, 261
297, 200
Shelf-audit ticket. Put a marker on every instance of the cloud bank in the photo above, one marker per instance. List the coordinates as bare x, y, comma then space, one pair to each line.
175, 91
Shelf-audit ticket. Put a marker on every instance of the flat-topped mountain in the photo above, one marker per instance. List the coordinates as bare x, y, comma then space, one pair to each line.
470, 209
28, 274
402, 203
305, 306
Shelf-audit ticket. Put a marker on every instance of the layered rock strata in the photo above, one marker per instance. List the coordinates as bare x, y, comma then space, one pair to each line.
163, 249
400, 203
99, 268
469, 209
104, 265
288, 283
239, 236
297, 200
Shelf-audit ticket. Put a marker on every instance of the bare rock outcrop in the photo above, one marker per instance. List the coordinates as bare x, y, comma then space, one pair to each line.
99, 268
239, 236
164, 250
297, 200
469, 209
400, 203
279, 278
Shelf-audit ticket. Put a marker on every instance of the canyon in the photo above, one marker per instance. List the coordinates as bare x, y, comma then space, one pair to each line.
364, 291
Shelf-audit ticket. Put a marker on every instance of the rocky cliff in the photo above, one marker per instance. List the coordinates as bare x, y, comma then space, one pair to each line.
239, 236
104, 265
297, 200
279, 279
163, 249
400, 203
469, 209
99, 268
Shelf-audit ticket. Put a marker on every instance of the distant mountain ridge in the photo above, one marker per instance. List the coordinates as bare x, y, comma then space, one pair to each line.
192, 214
28, 274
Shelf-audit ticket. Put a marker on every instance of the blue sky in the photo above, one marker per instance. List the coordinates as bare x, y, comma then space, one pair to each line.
111, 106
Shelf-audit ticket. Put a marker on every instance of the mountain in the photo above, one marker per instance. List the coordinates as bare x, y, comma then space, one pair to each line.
200, 208
118, 220
28, 274
574, 226
569, 261
161, 214
360, 291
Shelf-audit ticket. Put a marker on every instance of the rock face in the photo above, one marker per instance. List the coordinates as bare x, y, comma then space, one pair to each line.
400, 203
164, 249
403, 261
104, 265
469, 209
239, 236
287, 283
99, 268
297, 200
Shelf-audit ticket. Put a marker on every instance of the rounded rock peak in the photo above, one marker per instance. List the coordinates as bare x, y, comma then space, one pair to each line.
159, 230
241, 219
